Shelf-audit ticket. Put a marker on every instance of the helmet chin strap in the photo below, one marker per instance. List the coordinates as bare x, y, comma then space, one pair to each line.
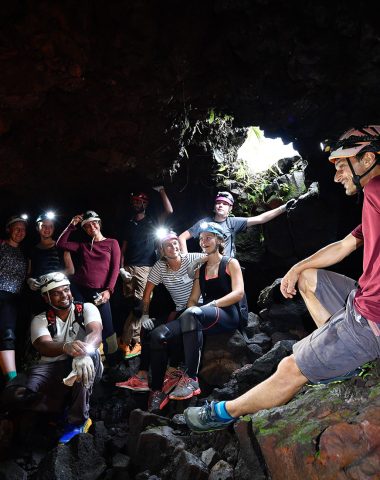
58, 308
356, 178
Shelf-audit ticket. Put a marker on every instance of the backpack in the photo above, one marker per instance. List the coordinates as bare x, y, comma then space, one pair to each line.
242, 305
52, 319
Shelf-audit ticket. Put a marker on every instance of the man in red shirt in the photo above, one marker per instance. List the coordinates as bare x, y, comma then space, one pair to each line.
347, 313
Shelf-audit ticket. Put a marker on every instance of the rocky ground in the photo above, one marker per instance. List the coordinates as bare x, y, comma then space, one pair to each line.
327, 432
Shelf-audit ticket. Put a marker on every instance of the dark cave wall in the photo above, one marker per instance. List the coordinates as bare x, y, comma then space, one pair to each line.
98, 98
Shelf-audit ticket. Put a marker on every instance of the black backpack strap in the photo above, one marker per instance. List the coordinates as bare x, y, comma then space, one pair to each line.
202, 279
232, 230
222, 274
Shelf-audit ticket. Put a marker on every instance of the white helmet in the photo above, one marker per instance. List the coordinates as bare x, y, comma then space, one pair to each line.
52, 280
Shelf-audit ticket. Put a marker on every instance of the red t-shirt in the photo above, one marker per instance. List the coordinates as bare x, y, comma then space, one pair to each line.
367, 298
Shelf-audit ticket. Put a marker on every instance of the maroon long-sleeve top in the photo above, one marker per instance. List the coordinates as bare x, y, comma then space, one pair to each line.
100, 261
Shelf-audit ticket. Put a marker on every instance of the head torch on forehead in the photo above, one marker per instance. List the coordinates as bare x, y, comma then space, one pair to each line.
353, 141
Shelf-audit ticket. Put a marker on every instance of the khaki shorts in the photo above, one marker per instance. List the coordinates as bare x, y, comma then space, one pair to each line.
135, 288
344, 342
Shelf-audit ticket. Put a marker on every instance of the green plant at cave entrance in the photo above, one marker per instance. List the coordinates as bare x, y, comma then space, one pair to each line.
213, 132
260, 190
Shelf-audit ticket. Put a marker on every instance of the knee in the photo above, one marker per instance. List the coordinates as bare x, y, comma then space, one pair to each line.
289, 371
190, 319
307, 281
158, 337
7, 339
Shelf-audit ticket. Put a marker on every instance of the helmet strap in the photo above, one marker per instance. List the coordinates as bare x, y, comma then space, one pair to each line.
356, 178
57, 308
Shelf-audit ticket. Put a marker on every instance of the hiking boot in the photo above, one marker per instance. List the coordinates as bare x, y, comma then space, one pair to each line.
204, 419
187, 387
157, 401
131, 352
135, 383
72, 431
171, 380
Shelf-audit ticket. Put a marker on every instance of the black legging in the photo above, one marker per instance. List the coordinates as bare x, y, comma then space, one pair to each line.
8, 318
84, 294
190, 326
175, 349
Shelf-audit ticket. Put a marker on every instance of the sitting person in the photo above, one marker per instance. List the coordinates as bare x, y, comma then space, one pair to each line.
346, 312
66, 336
13, 267
172, 271
95, 279
220, 282
45, 258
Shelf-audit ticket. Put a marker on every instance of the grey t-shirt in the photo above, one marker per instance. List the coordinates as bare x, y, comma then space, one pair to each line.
231, 226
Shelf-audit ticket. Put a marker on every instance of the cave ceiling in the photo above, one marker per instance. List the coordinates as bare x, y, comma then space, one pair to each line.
97, 95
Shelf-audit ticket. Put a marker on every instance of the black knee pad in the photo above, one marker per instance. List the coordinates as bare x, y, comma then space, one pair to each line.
7, 339
189, 319
158, 337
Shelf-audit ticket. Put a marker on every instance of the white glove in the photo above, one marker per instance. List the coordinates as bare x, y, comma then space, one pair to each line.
147, 322
158, 188
84, 367
33, 284
126, 276
194, 266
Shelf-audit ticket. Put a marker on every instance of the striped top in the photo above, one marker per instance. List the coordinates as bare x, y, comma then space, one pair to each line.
178, 283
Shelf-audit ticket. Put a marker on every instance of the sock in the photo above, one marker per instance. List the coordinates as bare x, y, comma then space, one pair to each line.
221, 412
10, 375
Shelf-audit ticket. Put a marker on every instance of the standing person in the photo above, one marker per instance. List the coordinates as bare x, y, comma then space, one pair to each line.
138, 255
220, 282
172, 270
67, 337
45, 257
13, 267
347, 313
224, 202
95, 278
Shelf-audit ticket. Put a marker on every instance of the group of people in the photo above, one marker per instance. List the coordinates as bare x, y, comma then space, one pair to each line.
70, 285
207, 289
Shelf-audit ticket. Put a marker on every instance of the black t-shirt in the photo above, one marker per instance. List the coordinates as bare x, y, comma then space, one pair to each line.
46, 260
140, 239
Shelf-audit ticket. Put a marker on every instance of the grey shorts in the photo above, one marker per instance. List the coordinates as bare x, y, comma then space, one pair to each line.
345, 342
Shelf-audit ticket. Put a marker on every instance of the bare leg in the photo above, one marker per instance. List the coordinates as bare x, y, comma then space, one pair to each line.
274, 391
307, 284
7, 361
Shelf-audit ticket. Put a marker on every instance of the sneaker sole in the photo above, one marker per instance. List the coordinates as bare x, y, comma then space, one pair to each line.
132, 355
192, 394
135, 389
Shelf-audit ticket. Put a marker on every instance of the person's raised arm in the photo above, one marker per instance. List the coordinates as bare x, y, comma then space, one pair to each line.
63, 240
325, 257
266, 216
168, 209
182, 239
